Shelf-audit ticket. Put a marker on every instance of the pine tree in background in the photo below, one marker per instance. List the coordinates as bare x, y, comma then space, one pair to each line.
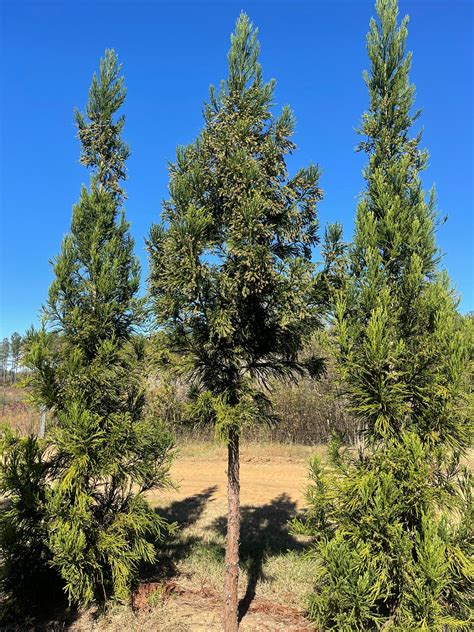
103, 453
15, 348
4, 359
231, 273
394, 525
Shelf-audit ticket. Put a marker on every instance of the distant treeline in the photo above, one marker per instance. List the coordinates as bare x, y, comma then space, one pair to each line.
10, 355
306, 411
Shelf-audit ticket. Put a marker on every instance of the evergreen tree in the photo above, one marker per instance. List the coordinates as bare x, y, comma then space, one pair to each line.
394, 524
231, 272
103, 453
4, 358
15, 347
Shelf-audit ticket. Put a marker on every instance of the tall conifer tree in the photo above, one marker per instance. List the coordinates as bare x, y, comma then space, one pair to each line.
231, 272
395, 523
4, 359
15, 347
104, 454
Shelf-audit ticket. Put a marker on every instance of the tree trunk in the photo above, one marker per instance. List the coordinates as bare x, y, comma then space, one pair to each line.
42, 426
231, 622
4, 390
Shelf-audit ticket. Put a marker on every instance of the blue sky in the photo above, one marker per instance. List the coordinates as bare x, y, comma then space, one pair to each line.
171, 52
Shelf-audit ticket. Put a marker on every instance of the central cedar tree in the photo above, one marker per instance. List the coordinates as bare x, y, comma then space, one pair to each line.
231, 273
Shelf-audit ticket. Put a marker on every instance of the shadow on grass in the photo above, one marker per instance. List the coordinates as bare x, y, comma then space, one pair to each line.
263, 533
187, 512
184, 513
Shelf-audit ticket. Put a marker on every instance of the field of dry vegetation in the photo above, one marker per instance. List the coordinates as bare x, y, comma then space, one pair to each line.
276, 575
184, 591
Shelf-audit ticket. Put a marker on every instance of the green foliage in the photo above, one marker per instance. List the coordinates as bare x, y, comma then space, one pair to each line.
104, 453
466, 330
103, 149
394, 548
231, 275
100, 545
16, 342
388, 523
233, 287
399, 344
23, 524
4, 357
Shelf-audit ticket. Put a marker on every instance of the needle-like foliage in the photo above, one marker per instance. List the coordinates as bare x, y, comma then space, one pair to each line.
102, 453
393, 522
231, 275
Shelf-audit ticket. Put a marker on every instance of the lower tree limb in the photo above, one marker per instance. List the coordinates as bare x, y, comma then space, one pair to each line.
231, 623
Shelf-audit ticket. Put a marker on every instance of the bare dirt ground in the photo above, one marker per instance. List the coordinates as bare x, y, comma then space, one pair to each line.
276, 575
266, 471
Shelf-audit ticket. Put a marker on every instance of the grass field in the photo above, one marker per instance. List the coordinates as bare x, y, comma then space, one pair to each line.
15, 411
186, 592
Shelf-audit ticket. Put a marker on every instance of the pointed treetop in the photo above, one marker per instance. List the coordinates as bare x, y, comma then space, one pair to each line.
103, 149
244, 52
391, 94
243, 89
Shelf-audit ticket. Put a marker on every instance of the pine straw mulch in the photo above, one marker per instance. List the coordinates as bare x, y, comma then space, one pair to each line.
194, 604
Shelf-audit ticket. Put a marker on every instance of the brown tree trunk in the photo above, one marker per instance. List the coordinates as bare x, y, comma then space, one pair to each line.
231, 614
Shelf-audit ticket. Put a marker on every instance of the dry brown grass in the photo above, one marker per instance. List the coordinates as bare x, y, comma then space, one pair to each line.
276, 576
185, 591
16, 412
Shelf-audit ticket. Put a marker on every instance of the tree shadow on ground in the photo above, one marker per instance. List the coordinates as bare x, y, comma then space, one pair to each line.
45, 609
185, 513
264, 532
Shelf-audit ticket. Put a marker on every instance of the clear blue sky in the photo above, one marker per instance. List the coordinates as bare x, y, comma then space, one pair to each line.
171, 51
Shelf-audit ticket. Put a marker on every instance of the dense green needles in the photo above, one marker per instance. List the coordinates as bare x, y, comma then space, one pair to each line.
101, 454
231, 280
235, 297
392, 523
